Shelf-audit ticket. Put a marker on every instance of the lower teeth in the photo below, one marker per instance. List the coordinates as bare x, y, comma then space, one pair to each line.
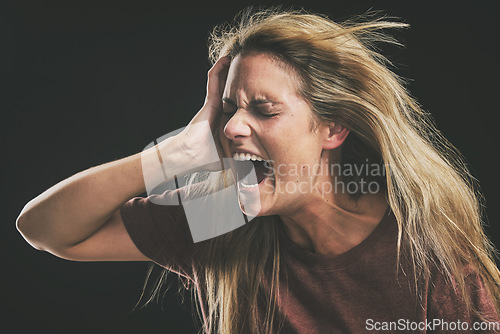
248, 181
243, 185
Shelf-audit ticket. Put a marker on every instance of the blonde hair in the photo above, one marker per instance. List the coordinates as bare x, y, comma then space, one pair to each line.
344, 78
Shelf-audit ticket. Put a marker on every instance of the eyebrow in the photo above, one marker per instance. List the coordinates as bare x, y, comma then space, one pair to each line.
254, 102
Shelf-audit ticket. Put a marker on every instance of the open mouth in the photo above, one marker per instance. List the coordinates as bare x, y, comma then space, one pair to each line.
244, 164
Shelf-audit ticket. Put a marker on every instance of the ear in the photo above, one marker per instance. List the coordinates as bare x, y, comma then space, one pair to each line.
334, 135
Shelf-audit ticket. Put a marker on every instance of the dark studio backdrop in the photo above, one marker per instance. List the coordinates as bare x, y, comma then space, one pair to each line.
89, 82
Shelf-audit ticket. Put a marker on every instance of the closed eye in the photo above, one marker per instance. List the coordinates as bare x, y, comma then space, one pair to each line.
266, 110
260, 107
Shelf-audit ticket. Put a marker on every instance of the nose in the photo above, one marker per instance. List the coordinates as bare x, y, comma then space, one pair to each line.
238, 125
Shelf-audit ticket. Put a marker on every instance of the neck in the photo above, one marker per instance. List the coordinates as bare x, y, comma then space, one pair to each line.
335, 224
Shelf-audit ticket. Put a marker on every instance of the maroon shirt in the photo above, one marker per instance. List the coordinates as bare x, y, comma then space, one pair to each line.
358, 291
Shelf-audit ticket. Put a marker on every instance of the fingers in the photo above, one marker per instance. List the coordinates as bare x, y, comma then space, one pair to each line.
217, 80
215, 88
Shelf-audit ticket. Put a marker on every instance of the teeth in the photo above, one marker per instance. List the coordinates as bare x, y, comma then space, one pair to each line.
246, 157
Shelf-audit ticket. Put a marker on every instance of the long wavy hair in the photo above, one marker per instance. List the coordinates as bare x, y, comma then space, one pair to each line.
345, 79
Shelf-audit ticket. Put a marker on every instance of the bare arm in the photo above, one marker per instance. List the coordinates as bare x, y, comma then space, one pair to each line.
76, 212
75, 209
79, 217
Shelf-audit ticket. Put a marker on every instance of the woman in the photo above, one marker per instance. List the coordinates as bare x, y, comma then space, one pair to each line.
366, 217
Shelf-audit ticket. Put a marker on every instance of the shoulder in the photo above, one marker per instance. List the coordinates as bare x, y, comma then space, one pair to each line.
445, 299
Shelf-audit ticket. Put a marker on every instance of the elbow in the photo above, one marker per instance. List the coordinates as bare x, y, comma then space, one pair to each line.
27, 228
37, 234
21, 222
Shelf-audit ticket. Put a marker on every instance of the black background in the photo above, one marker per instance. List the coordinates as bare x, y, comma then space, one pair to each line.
87, 82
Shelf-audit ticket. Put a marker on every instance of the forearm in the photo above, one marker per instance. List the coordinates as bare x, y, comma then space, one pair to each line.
75, 208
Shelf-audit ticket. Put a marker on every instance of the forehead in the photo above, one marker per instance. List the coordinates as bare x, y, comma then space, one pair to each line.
260, 73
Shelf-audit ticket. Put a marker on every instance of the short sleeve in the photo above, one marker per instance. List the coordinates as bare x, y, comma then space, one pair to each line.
446, 304
161, 232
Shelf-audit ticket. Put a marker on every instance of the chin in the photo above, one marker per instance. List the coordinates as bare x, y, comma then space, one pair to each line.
256, 210
251, 209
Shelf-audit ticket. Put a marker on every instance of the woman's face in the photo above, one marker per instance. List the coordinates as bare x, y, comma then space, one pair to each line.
264, 118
